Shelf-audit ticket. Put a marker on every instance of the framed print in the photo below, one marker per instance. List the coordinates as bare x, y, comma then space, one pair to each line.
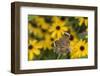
52, 37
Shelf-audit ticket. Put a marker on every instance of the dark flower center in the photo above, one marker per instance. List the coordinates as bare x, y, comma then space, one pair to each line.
63, 18
52, 39
58, 27
30, 47
43, 30
82, 48
71, 37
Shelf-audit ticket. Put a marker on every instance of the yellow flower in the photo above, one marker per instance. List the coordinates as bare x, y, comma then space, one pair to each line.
34, 31
49, 38
47, 42
55, 19
44, 32
73, 36
58, 28
30, 28
80, 50
82, 20
37, 32
41, 23
33, 49
42, 27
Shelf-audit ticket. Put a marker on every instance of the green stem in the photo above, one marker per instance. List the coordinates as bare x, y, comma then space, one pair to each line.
59, 55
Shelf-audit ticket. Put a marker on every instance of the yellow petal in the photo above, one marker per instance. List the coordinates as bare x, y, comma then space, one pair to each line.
86, 22
52, 29
36, 52
53, 34
81, 21
38, 46
59, 35
30, 56
64, 29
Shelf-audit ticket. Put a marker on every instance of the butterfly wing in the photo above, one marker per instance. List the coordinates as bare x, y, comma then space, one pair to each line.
62, 45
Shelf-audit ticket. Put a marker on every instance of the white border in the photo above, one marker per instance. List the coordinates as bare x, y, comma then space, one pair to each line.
25, 64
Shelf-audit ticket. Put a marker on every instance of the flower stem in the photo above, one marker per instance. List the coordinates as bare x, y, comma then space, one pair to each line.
59, 55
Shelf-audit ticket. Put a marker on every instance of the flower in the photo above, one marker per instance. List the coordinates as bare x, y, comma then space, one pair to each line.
41, 22
58, 28
30, 28
42, 26
47, 42
82, 20
34, 31
80, 50
73, 36
33, 49
38, 32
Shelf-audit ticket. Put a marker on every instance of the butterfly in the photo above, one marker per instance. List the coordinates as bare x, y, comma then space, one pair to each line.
63, 44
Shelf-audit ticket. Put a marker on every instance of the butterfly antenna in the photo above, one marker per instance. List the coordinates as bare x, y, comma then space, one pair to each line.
67, 34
